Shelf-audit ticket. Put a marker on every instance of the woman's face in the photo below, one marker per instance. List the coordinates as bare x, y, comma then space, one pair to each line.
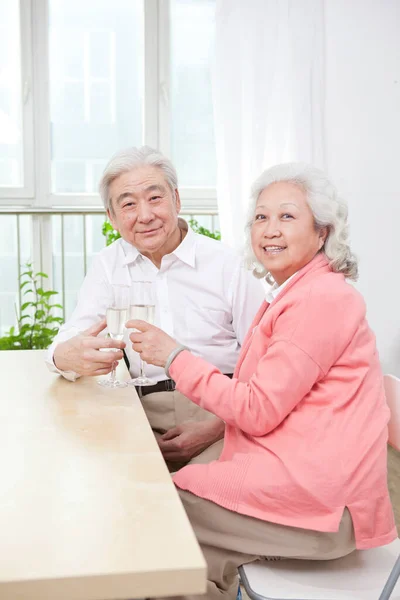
283, 235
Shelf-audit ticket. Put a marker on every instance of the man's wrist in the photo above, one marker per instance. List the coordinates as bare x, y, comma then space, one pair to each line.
55, 367
58, 358
217, 428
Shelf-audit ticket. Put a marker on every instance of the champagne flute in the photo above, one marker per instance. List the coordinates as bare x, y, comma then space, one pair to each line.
142, 307
116, 316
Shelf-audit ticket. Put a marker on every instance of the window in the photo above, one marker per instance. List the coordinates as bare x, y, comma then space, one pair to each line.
11, 163
15, 103
96, 87
192, 130
108, 74
80, 80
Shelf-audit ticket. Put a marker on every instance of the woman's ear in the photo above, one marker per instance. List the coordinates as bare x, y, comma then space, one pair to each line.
323, 234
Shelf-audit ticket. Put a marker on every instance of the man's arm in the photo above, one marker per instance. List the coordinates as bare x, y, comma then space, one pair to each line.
76, 350
189, 439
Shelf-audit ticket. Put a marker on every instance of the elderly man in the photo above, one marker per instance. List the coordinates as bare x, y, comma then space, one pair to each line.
204, 298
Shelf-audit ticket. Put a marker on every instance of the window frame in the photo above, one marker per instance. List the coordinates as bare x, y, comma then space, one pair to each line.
36, 113
24, 194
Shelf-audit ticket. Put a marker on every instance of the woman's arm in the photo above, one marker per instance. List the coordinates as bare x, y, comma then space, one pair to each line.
303, 341
283, 377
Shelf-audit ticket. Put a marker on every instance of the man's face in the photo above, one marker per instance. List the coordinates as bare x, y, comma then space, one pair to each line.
144, 209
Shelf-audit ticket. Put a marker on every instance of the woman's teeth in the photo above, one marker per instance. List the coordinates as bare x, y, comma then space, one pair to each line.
273, 249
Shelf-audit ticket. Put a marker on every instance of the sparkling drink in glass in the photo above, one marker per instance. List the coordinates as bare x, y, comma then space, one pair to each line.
116, 317
142, 307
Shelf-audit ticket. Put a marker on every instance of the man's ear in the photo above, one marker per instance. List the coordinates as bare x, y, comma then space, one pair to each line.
111, 219
177, 201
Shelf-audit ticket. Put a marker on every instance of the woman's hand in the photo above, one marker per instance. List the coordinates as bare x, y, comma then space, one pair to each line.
153, 344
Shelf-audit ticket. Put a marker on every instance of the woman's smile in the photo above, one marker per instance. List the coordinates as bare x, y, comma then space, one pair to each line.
274, 249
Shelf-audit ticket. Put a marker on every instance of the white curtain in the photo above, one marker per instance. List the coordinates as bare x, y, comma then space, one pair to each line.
268, 96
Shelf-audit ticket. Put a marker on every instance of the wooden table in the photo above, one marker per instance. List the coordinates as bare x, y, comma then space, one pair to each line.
88, 510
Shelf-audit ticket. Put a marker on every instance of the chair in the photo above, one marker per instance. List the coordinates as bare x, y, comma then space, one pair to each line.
362, 575
392, 390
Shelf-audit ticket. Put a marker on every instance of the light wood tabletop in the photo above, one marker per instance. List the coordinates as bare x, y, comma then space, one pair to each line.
88, 510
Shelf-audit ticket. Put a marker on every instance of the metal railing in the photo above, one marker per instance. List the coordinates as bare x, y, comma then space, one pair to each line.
60, 242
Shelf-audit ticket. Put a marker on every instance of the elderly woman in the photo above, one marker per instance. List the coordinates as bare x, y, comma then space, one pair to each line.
303, 470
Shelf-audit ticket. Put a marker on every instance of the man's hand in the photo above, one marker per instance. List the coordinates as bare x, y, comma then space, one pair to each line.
187, 440
82, 354
152, 343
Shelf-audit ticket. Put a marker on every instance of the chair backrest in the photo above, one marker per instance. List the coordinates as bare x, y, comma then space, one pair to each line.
392, 391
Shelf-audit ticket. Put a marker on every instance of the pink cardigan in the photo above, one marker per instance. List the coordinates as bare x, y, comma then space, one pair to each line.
306, 416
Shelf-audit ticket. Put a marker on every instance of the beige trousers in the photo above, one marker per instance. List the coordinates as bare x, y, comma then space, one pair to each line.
229, 539
165, 410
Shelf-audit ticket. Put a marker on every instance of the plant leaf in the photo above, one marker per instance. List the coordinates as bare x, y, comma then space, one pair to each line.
41, 326
50, 293
24, 329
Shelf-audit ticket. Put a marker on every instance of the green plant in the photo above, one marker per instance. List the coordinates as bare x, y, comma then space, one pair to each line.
216, 235
36, 324
111, 234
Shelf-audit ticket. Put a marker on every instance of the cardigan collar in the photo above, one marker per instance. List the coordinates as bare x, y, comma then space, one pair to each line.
318, 263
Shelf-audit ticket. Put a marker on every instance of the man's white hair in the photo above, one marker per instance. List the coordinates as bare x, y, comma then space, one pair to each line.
327, 208
132, 158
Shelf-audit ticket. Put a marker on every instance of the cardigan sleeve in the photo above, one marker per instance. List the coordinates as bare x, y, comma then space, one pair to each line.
306, 341
283, 377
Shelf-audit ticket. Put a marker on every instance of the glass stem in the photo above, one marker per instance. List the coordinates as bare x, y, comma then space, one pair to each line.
113, 372
142, 368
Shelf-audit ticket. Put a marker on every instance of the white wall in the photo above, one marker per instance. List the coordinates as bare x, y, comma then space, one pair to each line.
363, 150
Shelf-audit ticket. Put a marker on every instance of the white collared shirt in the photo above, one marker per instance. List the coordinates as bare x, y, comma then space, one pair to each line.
272, 292
205, 299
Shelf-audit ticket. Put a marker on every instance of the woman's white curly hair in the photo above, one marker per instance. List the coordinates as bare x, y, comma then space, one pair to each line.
328, 210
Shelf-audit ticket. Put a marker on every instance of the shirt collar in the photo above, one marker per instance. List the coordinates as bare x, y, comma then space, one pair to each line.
186, 251
131, 253
272, 292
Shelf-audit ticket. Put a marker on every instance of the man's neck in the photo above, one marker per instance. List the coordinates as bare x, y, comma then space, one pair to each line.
172, 243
